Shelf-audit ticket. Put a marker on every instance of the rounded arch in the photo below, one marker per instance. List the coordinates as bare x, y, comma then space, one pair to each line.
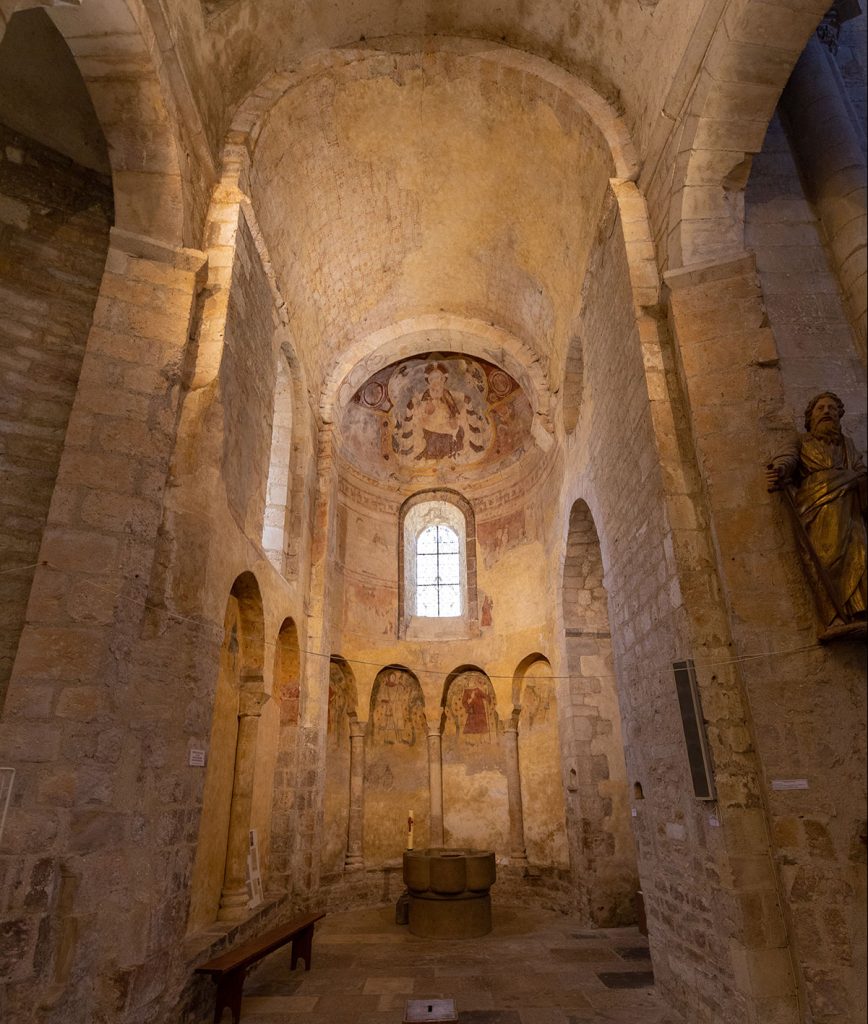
287, 670
531, 661
751, 55
342, 682
460, 671
251, 628
238, 683
582, 497
411, 517
583, 594
399, 716
254, 110
138, 113
413, 336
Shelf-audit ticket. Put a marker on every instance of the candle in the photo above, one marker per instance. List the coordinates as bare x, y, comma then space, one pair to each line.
409, 830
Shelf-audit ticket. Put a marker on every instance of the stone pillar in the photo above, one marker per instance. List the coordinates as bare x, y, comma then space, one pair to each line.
824, 133
517, 851
733, 401
435, 787
355, 859
313, 712
234, 897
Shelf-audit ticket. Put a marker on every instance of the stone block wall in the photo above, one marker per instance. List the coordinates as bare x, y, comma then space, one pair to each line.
801, 293
54, 228
721, 332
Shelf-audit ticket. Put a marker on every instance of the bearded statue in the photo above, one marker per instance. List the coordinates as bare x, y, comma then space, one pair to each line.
824, 479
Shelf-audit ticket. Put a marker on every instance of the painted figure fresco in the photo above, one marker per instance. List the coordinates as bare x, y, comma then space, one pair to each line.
536, 701
397, 708
341, 703
470, 708
439, 409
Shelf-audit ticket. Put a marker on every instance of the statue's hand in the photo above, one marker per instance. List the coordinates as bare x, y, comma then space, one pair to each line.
775, 476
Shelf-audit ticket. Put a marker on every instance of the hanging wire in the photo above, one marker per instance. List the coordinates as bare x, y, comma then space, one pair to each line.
216, 632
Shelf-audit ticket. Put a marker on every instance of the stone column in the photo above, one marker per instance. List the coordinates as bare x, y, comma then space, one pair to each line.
313, 711
234, 897
435, 787
517, 852
355, 860
824, 132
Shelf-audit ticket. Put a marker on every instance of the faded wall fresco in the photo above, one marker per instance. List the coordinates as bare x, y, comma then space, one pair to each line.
434, 412
396, 766
342, 703
475, 808
539, 759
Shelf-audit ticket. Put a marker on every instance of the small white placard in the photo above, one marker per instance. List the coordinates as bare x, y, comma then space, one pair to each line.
254, 878
197, 759
713, 822
632, 812
789, 784
418, 1010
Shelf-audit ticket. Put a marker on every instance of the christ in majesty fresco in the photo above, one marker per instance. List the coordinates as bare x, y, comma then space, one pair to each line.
440, 422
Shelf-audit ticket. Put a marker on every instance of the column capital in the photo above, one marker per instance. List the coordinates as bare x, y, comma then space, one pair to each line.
358, 728
250, 704
511, 723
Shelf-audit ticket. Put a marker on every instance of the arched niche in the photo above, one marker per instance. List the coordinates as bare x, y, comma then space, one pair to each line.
601, 848
540, 763
475, 801
396, 765
239, 675
286, 691
342, 706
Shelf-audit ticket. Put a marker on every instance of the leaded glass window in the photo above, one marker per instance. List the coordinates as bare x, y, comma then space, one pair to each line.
438, 572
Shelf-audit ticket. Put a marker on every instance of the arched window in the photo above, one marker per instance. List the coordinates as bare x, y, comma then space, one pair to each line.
438, 572
437, 566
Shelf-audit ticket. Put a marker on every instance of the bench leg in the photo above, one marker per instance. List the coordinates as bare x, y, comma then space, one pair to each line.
229, 989
301, 947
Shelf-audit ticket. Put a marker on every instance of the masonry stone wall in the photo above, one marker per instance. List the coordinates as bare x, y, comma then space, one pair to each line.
801, 293
615, 458
54, 224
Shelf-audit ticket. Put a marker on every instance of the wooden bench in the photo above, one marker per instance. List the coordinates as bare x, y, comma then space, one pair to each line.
229, 969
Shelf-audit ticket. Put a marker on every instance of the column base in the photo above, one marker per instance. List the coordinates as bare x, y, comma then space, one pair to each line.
233, 904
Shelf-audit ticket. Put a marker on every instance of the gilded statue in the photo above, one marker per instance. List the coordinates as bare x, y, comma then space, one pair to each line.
824, 481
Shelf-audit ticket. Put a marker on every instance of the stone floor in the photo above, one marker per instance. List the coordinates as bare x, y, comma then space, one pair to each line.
534, 968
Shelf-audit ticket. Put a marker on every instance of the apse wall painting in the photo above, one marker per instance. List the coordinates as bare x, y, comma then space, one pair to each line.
475, 808
396, 765
437, 411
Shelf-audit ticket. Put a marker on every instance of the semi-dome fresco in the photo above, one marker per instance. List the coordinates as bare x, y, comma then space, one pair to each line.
435, 413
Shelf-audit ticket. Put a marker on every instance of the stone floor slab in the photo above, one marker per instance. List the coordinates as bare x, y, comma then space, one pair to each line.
533, 968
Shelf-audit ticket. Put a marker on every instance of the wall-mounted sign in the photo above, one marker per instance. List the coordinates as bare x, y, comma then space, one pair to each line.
197, 759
